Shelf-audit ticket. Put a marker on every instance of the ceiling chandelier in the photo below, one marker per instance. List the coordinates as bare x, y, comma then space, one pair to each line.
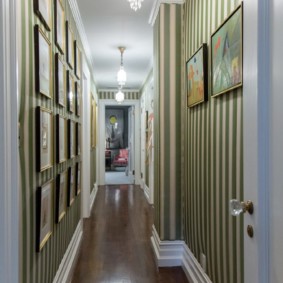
135, 4
119, 96
121, 79
121, 75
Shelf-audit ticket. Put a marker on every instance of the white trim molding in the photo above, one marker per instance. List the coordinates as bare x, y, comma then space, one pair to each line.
177, 253
156, 6
78, 19
64, 273
167, 253
102, 103
9, 152
192, 267
93, 196
146, 190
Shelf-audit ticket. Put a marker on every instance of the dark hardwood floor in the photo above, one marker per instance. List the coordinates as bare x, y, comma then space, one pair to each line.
116, 243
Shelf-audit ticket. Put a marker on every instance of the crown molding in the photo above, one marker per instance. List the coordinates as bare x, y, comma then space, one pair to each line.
78, 20
156, 5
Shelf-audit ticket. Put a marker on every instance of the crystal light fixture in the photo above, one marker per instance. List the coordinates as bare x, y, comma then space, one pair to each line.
121, 75
135, 4
119, 96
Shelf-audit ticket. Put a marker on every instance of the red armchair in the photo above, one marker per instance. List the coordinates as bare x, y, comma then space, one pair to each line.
121, 159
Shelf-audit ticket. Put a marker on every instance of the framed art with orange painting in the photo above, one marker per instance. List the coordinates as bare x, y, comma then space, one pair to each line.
196, 71
226, 54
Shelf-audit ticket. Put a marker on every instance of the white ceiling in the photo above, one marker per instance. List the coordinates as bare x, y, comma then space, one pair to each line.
109, 24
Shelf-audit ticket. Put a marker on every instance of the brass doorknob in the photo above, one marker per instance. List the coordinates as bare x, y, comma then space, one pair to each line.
238, 207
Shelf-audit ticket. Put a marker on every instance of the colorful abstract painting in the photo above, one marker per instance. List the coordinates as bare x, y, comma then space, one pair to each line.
226, 53
196, 68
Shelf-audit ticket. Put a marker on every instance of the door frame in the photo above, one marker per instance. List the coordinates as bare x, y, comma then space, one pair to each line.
256, 117
102, 103
9, 144
85, 141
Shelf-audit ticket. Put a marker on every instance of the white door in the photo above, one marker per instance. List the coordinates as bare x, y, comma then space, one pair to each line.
275, 189
263, 139
10, 232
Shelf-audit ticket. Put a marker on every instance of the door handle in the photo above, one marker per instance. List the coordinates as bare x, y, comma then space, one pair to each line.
237, 207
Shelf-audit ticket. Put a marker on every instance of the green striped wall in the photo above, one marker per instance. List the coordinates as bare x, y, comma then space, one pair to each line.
167, 32
214, 151
39, 267
110, 94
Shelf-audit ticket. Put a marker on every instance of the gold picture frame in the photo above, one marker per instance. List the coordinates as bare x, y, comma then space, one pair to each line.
78, 98
59, 26
78, 60
61, 195
60, 80
43, 63
42, 9
78, 138
71, 90
71, 186
78, 178
71, 139
61, 139
44, 139
197, 77
227, 54
44, 205
70, 46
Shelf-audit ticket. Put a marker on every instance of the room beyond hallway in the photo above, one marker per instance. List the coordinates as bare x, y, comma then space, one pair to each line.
116, 242
118, 178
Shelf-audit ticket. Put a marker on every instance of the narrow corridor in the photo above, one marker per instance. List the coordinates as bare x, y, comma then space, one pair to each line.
116, 242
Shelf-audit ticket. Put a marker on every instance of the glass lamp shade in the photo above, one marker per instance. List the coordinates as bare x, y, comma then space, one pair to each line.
135, 4
119, 96
121, 76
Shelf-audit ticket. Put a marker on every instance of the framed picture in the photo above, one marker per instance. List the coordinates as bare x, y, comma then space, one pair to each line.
61, 195
78, 55
226, 54
197, 84
71, 139
69, 45
44, 139
78, 138
44, 215
78, 98
61, 138
43, 10
59, 26
71, 186
78, 178
93, 123
60, 80
71, 92
43, 63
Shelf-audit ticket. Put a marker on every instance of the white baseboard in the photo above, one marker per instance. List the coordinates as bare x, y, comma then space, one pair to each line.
167, 253
146, 193
93, 196
192, 267
177, 253
64, 272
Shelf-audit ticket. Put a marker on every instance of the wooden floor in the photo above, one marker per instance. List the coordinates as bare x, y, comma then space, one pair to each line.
116, 243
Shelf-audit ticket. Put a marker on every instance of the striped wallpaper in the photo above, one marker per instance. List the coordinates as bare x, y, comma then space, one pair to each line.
39, 267
110, 94
167, 32
214, 158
